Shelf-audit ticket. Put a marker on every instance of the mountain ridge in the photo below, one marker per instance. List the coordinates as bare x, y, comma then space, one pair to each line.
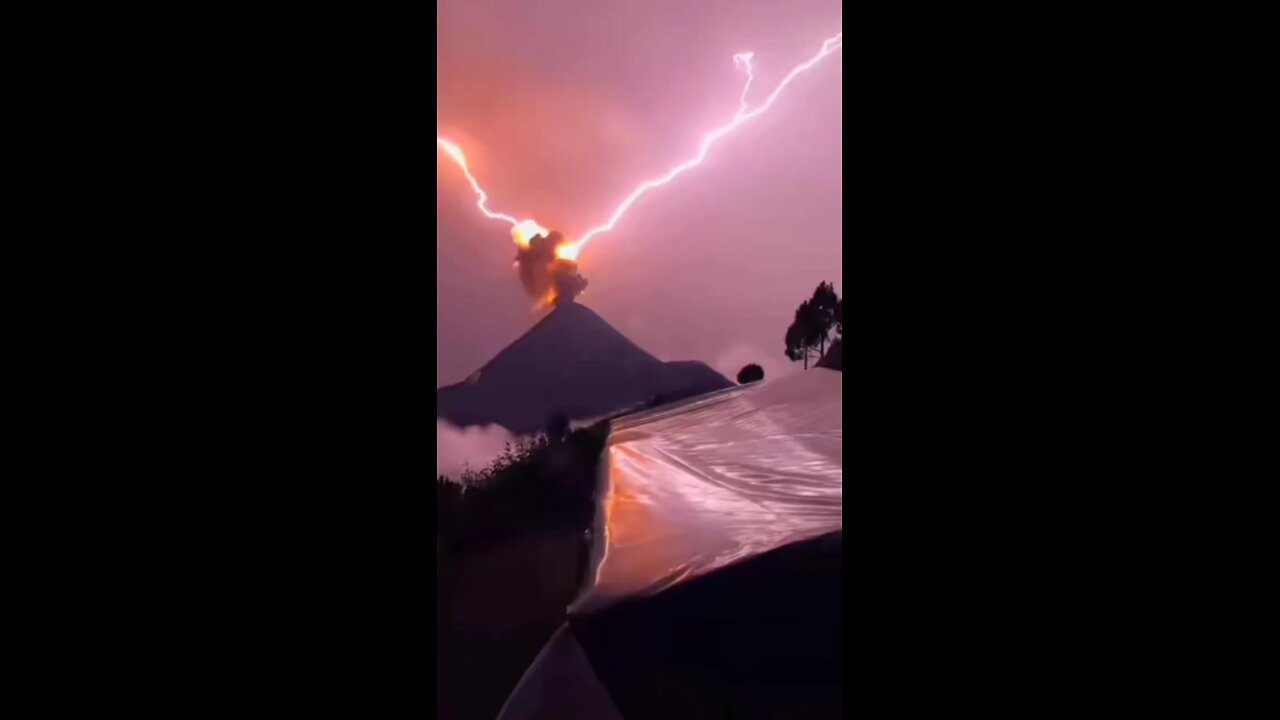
571, 363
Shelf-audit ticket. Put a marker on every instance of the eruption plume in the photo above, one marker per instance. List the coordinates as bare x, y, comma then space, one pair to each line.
544, 272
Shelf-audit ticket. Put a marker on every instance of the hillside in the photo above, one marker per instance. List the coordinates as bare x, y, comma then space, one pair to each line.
571, 363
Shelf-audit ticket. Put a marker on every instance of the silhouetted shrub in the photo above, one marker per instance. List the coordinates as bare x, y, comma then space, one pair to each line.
750, 373
534, 483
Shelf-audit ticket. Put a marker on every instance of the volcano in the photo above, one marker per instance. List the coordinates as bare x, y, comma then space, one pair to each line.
574, 364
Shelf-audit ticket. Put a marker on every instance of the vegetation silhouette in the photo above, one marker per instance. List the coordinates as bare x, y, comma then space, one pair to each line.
510, 553
750, 373
539, 482
814, 322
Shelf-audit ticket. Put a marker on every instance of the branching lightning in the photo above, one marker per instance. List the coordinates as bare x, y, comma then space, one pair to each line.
742, 116
523, 230
743, 60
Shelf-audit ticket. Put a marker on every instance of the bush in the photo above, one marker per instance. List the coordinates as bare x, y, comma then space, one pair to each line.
533, 483
750, 373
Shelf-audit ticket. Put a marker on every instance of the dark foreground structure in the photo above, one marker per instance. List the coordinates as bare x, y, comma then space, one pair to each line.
713, 587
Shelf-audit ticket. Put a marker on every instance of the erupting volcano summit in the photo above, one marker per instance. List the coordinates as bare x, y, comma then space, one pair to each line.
571, 363
546, 272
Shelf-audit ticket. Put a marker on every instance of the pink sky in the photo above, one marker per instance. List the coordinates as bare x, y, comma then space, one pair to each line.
563, 106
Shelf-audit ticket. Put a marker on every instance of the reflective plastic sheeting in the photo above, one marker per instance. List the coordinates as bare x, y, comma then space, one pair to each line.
692, 488
560, 685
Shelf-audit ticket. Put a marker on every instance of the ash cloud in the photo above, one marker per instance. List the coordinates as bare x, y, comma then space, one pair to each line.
543, 274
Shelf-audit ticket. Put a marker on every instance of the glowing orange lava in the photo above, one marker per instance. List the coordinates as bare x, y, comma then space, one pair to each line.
569, 251
526, 230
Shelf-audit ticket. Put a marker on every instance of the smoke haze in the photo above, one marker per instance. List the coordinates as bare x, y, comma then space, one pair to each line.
546, 276
458, 449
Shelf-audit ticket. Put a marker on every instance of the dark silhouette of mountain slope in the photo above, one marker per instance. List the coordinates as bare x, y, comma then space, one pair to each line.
571, 363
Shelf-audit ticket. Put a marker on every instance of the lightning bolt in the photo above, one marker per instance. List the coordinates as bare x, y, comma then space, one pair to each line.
523, 229
743, 60
744, 114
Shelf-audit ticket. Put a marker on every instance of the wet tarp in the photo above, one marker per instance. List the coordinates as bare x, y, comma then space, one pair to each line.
688, 489
762, 638
560, 685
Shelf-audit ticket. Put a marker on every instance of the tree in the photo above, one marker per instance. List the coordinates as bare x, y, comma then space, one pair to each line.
822, 309
797, 338
814, 321
840, 318
750, 373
